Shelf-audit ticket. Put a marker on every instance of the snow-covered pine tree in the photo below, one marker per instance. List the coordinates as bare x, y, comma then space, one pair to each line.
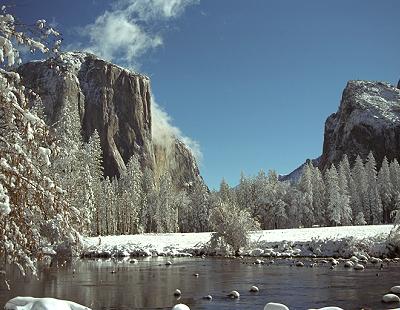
109, 214
245, 193
295, 199
344, 165
276, 205
261, 199
373, 203
394, 168
166, 216
94, 163
199, 206
344, 205
226, 194
70, 166
333, 196
385, 188
306, 187
130, 193
319, 205
358, 191
148, 206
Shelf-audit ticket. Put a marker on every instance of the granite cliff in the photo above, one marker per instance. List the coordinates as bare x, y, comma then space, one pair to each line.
368, 119
115, 101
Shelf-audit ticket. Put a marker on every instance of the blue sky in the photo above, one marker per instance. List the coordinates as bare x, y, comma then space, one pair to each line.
252, 81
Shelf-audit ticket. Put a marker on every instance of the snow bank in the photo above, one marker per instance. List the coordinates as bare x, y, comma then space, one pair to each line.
344, 241
32, 303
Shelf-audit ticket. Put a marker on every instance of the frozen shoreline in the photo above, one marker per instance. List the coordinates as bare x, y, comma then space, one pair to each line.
343, 241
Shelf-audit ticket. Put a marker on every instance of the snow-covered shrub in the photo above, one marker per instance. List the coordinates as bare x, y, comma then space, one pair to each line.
232, 226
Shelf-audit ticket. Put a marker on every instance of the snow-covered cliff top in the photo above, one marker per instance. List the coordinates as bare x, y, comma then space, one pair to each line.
372, 103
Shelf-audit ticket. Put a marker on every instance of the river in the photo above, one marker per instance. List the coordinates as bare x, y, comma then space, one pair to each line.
150, 284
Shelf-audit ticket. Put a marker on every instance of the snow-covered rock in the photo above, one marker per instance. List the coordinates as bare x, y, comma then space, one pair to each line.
256, 252
395, 289
348, 264
234, 294
334, 262
254, 289
299, 264
375, 260
358, 267
388, 298
32, 303
180, 307
275, 306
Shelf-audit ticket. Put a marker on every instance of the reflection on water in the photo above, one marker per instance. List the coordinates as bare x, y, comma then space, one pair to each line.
149, 284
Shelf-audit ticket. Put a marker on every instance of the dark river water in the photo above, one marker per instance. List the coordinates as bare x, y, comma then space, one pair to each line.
149, 284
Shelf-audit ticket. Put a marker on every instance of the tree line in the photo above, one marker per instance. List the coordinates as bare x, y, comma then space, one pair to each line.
341, 195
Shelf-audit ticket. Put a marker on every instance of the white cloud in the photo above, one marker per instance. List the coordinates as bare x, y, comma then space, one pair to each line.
126, 32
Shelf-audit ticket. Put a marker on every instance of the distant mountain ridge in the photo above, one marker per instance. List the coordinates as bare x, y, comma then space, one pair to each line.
118, 104
368, 119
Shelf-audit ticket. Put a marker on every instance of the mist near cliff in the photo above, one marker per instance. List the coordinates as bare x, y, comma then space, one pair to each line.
164, 132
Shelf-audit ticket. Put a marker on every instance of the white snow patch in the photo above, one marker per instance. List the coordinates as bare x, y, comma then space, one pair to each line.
32, 303
275, 306
344, 241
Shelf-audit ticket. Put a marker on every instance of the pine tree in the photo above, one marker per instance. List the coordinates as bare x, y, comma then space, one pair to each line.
306, 187
333, 196
225, 192
373, 203
149, 202
199, 206
385, 188
70, 166
261, 199
274, 211
94, 158
245, 194
130, 193
344, 205
319, 206
394, 168
166, 215
358, 189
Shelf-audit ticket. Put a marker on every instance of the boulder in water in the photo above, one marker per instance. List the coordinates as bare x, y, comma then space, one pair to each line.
395, 289
390, 298
358, 267
234, 294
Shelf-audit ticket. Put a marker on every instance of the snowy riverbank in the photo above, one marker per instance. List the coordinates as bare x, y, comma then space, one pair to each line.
303, 242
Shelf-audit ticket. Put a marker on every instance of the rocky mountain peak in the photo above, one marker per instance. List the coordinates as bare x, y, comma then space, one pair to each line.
368, 119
